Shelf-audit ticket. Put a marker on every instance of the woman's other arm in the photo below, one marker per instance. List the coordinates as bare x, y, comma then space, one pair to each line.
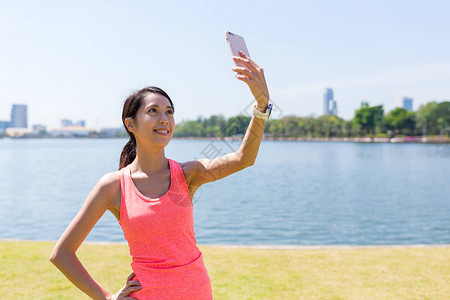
63, 255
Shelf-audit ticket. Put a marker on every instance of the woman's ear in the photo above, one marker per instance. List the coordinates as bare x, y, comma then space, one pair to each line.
129, 123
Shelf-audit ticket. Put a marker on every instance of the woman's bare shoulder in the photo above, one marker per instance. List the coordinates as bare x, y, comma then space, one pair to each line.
189, 168
110, 180
110, 185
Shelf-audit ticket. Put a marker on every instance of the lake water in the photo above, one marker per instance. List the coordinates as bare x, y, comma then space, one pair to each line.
301, 193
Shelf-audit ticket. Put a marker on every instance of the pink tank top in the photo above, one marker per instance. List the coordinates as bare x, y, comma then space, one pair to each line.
160, 235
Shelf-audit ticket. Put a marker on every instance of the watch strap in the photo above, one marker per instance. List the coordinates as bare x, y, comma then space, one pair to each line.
262, 115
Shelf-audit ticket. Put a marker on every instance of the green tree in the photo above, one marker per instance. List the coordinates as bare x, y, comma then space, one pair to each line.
309, 126
347, 128
367, 118
214, 126
424, 117
329, 126
236, 125
291, 126
275, 128
441, 114
433, 117
400, 120
189, 129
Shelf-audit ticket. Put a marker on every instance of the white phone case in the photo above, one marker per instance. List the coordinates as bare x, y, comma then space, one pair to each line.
236, 43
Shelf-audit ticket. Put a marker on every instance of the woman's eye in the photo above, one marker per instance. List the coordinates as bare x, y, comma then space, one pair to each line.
154, 110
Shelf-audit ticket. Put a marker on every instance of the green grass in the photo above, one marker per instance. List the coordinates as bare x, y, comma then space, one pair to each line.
237, 273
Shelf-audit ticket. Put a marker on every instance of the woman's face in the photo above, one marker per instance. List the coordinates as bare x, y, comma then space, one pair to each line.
154, 114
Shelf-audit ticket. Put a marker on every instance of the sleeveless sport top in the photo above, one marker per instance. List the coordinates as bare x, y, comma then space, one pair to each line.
160, 235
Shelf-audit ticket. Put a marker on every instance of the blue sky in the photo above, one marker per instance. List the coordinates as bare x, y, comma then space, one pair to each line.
81, 59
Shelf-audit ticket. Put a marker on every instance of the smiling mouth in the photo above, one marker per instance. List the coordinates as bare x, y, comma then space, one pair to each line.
162, 132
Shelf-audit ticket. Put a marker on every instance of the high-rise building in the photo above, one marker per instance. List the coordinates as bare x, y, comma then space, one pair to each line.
81, 123
4, 125
66, 123
407, 103
327, 98
19, 116
329, 104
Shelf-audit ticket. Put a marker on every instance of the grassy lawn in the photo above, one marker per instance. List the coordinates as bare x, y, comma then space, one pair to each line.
236, 273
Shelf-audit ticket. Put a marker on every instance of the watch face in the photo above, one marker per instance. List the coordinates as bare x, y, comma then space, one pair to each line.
269, 108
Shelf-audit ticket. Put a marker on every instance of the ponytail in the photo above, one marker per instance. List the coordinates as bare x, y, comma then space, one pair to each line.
128, 153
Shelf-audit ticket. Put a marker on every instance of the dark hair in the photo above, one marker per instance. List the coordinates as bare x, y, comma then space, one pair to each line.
130, 108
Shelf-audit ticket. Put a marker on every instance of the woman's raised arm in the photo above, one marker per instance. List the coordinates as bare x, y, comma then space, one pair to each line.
253, 76
207, 170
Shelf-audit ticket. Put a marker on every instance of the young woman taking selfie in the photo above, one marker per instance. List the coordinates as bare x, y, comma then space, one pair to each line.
151, 196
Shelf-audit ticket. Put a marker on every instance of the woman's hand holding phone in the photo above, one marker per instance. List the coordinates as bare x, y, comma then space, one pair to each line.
253, 75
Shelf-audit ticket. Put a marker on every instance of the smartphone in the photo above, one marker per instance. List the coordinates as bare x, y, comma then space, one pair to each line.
236, 43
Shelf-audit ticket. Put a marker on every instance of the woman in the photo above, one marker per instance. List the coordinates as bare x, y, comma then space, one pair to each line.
151, 196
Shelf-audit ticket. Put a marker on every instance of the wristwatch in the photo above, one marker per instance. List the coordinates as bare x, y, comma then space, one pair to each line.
264, 115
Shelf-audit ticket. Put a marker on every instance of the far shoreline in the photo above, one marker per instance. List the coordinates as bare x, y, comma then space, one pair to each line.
268, 246
399, 140
371, 140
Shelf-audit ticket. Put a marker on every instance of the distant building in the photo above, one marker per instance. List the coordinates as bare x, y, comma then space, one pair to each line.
407, 103
73, 131
19, 116
39, 129
327, 98
17, 131
333, 108
66, 123
113, 132
4, 125
329, 104
81, 123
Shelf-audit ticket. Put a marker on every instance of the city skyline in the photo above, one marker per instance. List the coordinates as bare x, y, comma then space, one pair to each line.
84, 63
329, 107
404, 102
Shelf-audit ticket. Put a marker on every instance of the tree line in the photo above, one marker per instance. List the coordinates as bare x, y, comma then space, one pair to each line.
432, 118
